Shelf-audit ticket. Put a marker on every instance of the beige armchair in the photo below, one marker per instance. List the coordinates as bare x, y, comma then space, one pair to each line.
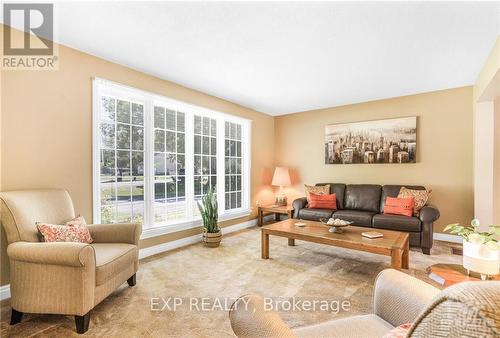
63, 278
463, 310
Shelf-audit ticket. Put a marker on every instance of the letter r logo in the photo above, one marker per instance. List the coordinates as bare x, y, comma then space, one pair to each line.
37, 19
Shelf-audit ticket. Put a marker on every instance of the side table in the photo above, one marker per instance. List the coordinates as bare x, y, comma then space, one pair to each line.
277, 210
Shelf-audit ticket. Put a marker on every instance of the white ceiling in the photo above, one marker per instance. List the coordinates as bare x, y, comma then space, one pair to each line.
286, 57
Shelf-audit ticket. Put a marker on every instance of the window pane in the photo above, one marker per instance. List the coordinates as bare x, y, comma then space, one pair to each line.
181, 164
138, 166
107, 166
159, 140
159, 164
206, 145
137, 114
181, 187
123, 136
159, 113
197, 124
170, 141
205, 165
213, 146
213, 127
238, 132
180, 143
171, 164
197, 165
180, 121
123, 165
123, 111
108, 200
206, 126
197, 185
108, 109
107, 135
197, 144
137, 138
171, 189
213, 165
160, 190
170, 119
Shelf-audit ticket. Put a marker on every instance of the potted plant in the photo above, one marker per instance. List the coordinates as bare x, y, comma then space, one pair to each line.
209, 214
481, 249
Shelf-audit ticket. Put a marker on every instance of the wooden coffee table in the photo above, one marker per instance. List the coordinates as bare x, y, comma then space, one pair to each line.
394, 243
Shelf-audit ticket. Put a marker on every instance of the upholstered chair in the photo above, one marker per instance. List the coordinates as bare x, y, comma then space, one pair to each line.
467, 309
63, 277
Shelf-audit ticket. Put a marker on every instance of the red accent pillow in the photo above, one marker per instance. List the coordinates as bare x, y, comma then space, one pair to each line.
399, 206
323, 201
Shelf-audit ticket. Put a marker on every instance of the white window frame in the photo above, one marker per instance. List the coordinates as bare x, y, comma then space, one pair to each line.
102, 87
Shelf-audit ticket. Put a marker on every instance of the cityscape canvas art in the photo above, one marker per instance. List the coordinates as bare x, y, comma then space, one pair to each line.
381, 141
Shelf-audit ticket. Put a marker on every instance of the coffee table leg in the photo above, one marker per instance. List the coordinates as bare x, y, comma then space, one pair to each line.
406, 256
259, 217
396, 258
291, 241
265, 245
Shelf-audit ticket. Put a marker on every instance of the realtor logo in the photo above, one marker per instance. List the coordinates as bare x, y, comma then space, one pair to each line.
28, 36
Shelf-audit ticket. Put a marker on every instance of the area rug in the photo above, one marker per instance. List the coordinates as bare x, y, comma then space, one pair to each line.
187, 292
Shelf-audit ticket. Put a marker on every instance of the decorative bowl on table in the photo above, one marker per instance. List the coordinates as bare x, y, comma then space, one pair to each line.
336, 224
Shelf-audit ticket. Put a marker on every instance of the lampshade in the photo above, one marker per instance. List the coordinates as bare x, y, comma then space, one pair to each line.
281, 177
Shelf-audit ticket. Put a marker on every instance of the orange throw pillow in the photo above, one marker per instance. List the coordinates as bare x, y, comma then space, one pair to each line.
399, 206
323, 201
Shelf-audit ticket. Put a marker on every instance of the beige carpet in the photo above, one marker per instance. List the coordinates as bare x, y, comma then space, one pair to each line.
305, 271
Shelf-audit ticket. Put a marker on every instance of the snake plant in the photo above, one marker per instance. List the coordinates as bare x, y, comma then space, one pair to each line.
209, 211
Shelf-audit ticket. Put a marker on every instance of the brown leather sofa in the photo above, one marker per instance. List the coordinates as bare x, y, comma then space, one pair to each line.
363, 204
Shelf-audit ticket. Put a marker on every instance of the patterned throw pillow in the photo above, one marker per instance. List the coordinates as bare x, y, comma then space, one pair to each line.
78, 221
399, 332
317, 190
65, 233
420, 197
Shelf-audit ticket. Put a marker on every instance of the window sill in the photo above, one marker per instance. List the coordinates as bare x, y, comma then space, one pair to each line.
155, 231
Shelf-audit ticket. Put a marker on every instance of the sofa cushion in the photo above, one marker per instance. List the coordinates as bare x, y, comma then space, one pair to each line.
112, 258
393, 191
339, 190
312, 214
363, 197
356, 216
396, 222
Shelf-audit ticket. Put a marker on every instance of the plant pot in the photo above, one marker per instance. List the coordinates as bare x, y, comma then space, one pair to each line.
212, 239
479, 258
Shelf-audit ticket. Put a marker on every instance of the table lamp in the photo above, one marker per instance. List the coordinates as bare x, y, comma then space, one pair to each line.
281, 178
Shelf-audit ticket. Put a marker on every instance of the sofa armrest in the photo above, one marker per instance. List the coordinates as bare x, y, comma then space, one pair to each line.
399, 298
249, 318
53, 253
299, 203
429, 214
116, 233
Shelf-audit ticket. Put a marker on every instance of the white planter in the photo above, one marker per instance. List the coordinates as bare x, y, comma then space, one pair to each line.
481, 259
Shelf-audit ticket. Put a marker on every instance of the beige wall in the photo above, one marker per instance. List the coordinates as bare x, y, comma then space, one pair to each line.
496, 164
46, 138
444, 148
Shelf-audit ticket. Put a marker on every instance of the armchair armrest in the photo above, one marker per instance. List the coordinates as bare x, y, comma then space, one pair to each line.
299, 203
429, 214
249, 318
54, 253
116, 233
398, 298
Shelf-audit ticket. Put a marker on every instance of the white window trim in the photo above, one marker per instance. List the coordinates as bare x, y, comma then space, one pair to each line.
151, 230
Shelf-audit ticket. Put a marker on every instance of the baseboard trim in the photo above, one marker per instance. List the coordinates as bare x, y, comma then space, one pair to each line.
164, 247
4, 292
447, 238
